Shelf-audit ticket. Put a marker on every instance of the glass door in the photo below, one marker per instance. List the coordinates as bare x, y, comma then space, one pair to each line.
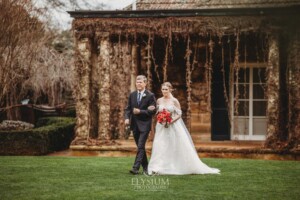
249, 121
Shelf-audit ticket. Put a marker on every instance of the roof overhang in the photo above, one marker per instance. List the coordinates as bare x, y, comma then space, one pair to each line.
261, 11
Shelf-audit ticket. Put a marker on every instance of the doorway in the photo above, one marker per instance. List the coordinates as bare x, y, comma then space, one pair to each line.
249, 110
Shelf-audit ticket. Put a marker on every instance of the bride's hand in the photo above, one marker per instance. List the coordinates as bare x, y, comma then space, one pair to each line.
174, 119
151, 108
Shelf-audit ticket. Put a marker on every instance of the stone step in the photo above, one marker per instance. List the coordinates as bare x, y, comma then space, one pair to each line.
214, 149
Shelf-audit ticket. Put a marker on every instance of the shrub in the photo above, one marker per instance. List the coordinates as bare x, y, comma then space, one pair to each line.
70, 112
51, 134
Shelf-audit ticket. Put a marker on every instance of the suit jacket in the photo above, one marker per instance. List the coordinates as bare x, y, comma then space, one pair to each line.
141, 122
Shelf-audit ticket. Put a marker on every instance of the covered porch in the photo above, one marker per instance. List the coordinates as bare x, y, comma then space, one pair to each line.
229, 68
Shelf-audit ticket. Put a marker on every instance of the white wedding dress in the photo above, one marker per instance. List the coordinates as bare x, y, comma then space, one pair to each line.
173, 151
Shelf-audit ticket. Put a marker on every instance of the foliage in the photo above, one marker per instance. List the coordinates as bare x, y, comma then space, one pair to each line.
50, 122
35, 62
51, 134
20, 34
108, 178
71, 112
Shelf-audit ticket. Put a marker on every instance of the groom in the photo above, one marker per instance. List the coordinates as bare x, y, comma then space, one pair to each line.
138, 113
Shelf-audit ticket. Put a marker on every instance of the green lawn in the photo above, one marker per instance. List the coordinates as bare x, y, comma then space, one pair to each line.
108, 178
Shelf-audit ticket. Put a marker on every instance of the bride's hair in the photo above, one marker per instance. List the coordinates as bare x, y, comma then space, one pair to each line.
169, 85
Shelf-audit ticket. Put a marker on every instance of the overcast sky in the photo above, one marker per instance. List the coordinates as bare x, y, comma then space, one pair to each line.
116, 4
62, 20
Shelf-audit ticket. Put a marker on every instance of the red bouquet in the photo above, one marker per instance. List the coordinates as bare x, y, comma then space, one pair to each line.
164, 117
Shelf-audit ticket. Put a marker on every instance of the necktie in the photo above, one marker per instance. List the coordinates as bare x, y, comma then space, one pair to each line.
139, 98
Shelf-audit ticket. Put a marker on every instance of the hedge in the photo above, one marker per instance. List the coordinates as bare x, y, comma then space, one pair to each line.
51, 134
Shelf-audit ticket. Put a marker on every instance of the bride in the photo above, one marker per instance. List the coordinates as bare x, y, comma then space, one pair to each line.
173, 151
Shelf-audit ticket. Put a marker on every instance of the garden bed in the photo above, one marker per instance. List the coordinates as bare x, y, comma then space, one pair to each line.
51, 134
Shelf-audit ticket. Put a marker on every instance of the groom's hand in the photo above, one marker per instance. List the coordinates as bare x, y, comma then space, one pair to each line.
136, 111
126, 121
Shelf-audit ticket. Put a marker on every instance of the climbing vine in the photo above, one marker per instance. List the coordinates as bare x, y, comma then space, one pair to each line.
136, 45
188, 80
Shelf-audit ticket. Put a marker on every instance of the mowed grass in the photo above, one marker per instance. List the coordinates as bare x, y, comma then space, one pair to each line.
108, 178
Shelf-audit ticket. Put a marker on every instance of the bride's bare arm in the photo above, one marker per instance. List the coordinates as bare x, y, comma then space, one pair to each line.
157, 104
177, 111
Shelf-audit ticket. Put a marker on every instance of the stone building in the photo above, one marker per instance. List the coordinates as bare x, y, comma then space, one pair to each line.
234, 66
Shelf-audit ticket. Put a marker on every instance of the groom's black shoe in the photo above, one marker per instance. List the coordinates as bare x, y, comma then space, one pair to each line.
145, 171
134, 172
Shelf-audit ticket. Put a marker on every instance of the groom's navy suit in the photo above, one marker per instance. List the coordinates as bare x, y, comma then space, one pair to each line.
140, 124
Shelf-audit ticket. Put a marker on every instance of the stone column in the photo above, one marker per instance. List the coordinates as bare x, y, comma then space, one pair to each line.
129, 66
273, 90
104, 88
94, 97
134, 61
82, 89
116, 81
149, 63
294, 91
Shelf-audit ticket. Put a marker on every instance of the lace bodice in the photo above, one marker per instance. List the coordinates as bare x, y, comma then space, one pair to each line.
171, 108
